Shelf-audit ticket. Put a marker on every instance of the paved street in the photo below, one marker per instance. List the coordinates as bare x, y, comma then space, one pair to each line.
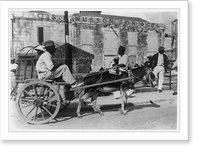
142, 115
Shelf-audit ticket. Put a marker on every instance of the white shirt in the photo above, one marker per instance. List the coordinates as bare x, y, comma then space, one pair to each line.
160, 60
44, 63
123, 59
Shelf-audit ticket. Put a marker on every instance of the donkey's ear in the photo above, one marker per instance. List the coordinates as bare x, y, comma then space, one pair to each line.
101, 69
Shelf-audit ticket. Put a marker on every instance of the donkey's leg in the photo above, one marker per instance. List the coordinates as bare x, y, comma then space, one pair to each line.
124, 100
81, 100
94, 103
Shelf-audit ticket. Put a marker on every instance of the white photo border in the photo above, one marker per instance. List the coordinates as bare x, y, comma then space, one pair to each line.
182, 134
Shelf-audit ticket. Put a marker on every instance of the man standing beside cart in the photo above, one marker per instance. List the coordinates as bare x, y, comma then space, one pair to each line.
13, 70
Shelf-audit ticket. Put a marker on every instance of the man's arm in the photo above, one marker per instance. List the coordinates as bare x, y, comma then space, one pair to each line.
152, 61
167, 63
48, 61
175, 65
13, 70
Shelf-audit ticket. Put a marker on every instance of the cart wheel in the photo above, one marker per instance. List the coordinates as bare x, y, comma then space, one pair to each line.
38, 102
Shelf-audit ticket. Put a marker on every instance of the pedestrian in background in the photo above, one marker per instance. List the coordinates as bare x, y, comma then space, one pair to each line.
13, 71
159, 63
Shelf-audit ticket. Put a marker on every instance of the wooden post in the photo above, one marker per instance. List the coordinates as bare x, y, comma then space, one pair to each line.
19, 66
67, 49
25, 68
171, 59
32, 65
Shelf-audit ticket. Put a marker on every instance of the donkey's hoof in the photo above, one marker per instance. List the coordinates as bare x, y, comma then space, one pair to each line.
79, 116
101, 114
125, 112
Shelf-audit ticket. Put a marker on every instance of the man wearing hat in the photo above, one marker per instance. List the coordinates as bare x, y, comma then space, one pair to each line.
123, 58
159, 63
13, 71
47, 70
119, 62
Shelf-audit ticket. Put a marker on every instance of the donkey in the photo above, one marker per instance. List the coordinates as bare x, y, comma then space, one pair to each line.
104, 76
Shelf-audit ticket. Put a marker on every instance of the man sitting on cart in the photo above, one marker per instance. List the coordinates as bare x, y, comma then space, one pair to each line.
48, 71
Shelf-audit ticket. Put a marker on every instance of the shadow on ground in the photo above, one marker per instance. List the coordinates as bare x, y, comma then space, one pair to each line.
70, 112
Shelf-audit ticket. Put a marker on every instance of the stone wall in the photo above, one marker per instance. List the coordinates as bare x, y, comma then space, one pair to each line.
80, 61
97, 42
24, 30
96, 22
82, 58
24, 33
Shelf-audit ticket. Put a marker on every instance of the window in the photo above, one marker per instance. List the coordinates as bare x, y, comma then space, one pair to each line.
46, 34
40, 35
152, 40
110, 40
86, 37
132, 38
43, 34
111, 43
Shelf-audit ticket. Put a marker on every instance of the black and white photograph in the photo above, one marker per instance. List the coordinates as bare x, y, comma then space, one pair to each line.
95, 70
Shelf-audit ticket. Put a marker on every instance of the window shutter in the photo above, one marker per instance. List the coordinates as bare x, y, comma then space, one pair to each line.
47, 33
152, 40
106, 40
110, 43
89, 36
132, 38
86, 37
83, 36
113, 41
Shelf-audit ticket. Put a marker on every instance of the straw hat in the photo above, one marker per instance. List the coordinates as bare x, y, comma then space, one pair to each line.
40, 48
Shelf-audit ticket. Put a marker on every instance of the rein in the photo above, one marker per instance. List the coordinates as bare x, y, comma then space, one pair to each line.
107, 69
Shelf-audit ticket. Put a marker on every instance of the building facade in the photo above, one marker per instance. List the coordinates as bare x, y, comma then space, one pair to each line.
101, 35
91, 32
33, 28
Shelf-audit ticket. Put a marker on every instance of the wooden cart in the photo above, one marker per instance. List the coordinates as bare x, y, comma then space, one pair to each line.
38, 101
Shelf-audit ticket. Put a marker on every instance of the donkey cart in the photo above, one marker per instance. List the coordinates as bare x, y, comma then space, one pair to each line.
39, 101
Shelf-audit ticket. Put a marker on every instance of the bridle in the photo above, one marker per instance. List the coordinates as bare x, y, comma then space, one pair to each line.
147, 72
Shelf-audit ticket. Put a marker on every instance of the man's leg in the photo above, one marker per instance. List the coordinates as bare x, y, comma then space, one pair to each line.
155, 72
63, 71
161, 78
67, 75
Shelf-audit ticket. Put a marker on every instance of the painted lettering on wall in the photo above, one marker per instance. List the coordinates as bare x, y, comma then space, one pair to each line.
115, 22
37, 16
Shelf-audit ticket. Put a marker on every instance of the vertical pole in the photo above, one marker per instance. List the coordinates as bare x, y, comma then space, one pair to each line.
171, 58
25, 68
66, 27
67, 40
68, 54
12, 49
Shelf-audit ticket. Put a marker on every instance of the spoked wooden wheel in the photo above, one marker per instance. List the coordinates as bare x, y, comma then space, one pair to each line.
38, 102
